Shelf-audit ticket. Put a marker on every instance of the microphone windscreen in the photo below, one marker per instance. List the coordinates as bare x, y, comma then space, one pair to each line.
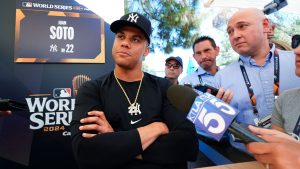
182, 97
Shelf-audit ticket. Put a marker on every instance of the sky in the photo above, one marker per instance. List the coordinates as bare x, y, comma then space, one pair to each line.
104, 8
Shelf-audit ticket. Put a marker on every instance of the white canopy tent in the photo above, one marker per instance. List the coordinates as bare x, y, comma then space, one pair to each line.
292, 7
109, 10
114, 9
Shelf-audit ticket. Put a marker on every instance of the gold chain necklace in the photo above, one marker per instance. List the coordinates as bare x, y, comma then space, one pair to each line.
133, 108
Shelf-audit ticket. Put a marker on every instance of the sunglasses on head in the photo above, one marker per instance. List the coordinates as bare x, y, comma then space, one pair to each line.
295, 41
175, 66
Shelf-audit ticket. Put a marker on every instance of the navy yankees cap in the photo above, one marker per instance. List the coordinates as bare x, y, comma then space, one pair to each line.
133, 19
177, 58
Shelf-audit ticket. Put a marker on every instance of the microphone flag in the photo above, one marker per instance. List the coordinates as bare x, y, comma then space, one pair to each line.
211, 115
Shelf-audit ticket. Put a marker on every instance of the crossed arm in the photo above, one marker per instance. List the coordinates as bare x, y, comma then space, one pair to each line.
97, 122
152, 143
97, 142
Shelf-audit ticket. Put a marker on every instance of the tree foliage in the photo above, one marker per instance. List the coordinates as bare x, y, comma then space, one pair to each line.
219, 22
175, 22
287, 25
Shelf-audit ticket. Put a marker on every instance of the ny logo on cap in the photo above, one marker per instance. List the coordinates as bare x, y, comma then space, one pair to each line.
133, 17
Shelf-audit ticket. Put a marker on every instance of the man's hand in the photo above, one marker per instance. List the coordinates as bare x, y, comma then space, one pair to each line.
151, 132
281, 151
5, 113
95, 122
226, 96
270, 134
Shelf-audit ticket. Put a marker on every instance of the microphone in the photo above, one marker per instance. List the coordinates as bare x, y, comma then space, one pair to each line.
274, 6
209, 113
8, 104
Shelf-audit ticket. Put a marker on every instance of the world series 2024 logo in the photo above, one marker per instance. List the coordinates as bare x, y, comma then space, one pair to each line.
52, 114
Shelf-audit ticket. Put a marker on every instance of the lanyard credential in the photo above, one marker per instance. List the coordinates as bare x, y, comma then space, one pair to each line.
199, 77
248, 83
297, 127
276, 73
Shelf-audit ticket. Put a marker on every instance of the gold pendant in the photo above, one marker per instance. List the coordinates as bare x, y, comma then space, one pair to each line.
134, 109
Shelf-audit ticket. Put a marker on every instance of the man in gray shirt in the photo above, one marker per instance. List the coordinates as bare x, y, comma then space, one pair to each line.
286, 114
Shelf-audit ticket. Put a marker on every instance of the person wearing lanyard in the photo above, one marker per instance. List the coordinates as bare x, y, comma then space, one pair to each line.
205, 53
286, 112
282, 151
261, 72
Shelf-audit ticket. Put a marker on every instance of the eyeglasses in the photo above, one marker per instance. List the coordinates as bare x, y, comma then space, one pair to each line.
169, 65
295, 41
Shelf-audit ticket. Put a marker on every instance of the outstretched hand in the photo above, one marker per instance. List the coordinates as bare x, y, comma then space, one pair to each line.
270, 135
279, 152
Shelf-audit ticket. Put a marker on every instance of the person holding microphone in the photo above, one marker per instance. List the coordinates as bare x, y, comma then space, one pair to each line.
280, 150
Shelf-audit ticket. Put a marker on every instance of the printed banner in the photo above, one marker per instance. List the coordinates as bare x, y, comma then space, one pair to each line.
58, 33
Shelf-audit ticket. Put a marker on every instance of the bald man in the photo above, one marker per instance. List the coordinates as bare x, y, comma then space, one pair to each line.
261, 69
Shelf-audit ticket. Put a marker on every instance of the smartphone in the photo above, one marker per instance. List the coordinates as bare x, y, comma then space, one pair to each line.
8, 104
203, 87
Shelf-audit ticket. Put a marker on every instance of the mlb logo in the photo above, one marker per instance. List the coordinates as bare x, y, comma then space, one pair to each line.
61, 92
27, 4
